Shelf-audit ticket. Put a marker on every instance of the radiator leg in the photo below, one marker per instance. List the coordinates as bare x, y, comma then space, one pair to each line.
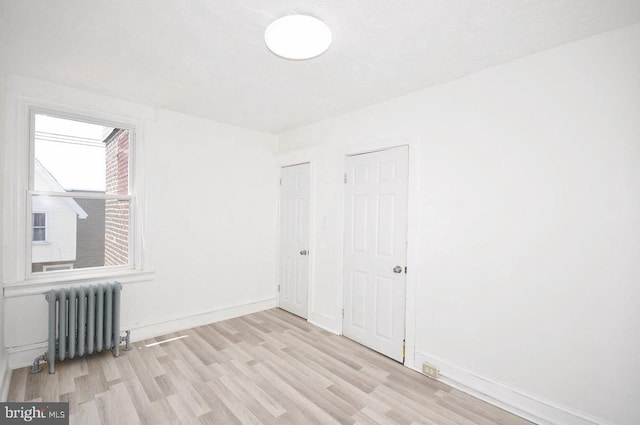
50, 355
35, 367
117, 287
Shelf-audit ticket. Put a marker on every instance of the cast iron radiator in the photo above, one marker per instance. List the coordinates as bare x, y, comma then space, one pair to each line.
82, 321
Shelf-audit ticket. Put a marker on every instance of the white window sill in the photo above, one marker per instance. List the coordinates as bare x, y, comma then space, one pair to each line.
46, 282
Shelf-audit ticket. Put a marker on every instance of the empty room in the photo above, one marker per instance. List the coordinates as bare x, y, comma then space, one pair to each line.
320, 212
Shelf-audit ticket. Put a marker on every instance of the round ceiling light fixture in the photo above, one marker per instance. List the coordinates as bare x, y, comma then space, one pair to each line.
298, 37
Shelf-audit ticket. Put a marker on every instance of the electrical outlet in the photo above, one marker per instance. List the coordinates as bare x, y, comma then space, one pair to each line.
431, 371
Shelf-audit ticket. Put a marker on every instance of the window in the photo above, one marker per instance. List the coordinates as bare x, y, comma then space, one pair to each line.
79, 186
57, 141
39, 233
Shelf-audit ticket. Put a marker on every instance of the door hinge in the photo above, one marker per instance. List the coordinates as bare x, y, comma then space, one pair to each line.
404, 349
278, 288
281, 181
405, 269
343, 313
345, 177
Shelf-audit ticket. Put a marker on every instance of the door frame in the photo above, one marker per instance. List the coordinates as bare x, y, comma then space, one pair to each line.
413, 192
291, 162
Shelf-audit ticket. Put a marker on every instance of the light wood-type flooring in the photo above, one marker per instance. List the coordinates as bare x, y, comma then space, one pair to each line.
265, 368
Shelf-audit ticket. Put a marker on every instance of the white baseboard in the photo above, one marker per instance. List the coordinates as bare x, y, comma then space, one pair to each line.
5, 375
180, 324
518, 402
325, 322
24, 355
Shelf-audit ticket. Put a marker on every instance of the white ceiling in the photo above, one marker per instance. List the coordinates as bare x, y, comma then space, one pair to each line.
208, 58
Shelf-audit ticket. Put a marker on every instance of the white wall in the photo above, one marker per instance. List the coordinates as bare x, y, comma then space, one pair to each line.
212, 216
527, 237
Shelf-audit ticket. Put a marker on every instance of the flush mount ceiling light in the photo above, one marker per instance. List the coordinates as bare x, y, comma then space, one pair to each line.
298, 37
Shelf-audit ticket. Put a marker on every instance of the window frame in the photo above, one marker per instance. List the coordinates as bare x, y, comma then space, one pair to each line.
24, 95
31, 192
33, 227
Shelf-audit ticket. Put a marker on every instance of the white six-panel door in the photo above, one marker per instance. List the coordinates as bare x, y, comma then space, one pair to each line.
375, 249
294, 239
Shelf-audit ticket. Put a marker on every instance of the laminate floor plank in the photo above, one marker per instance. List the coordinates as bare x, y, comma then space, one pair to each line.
295, 358
255, 323
200, 348
319, 396
110, 409
166, 385
161, 413
237, 407
237, 391
109, 368
268, 368
18, 385
220, 413
459, 400
426, 407
400, 417
87, 413
143, 374
213, 338
315, 414
291, 405
34, 385
140, 400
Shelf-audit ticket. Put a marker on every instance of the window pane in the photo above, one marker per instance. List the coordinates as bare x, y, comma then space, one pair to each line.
39, 235
82, 233
78, 156
39, 219
116, 232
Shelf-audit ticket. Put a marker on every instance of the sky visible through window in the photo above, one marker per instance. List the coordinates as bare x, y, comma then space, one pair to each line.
73, 152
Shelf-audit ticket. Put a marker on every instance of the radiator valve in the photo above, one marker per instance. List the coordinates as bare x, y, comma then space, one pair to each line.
35, 367
127, 340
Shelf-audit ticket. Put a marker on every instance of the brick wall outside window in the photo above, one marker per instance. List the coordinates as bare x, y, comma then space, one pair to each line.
116, 250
